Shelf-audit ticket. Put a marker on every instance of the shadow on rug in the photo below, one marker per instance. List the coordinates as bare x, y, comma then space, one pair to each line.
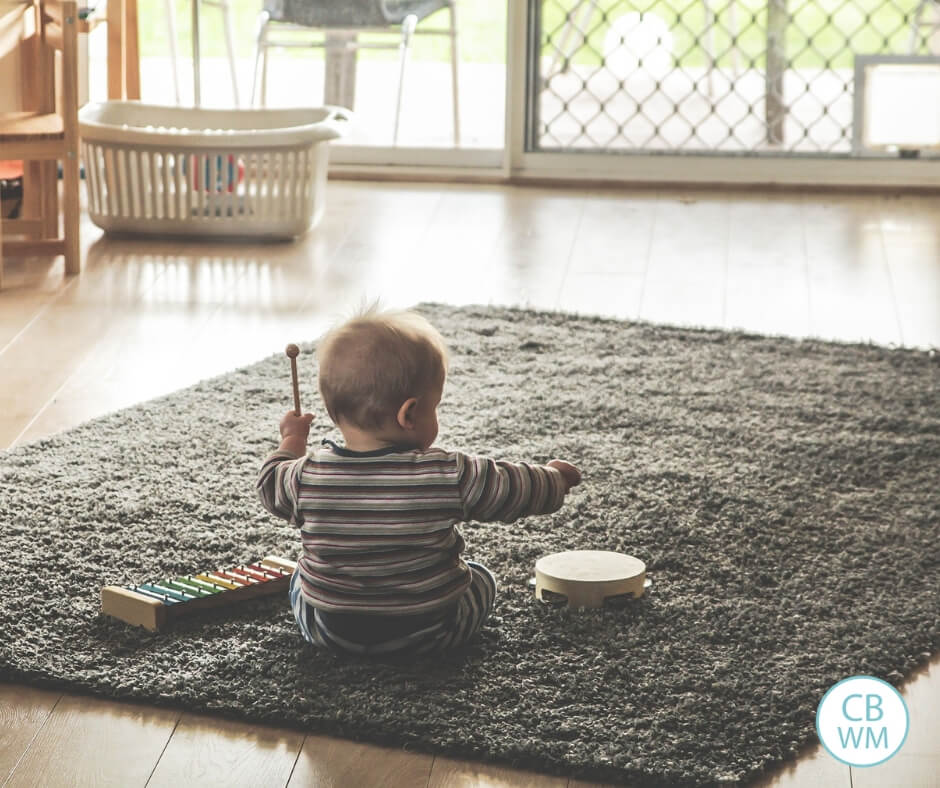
783, 494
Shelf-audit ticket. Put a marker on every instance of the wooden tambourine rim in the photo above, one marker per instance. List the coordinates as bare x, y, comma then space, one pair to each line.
590, 592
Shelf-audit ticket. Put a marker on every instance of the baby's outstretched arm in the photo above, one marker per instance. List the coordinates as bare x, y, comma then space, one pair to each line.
572, 475
495, 490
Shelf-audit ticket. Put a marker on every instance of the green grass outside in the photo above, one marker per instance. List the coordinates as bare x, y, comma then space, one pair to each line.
821, 33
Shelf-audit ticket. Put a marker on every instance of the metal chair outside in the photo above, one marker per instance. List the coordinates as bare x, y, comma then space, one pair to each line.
340, 24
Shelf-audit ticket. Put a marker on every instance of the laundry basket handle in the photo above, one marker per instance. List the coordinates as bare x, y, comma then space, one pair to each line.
338, 119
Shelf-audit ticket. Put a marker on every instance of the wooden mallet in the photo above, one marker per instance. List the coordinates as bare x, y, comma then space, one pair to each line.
292, 352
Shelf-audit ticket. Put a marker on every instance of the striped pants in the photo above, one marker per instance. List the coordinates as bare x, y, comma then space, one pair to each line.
456, 626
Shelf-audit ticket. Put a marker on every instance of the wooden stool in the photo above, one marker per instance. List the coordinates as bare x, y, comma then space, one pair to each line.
588, 577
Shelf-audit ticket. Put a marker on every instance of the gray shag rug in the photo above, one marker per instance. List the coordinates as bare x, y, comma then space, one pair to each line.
783, 494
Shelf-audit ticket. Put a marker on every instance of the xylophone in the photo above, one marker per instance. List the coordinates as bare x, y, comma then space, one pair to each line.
152, 605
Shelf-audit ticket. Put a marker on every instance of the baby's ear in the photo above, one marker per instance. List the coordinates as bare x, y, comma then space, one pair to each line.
406, 414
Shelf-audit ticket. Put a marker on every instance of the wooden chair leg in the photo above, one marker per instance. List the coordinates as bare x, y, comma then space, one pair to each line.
32, 206
131, 51
73, 258
117, 49
50, 199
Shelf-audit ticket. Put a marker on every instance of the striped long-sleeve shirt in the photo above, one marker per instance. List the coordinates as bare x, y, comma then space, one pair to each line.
379, 528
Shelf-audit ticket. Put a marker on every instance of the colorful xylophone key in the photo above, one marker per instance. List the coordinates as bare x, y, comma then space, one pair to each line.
153, 604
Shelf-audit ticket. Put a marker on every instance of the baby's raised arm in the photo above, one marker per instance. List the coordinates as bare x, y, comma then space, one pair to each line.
278, 481
496, 490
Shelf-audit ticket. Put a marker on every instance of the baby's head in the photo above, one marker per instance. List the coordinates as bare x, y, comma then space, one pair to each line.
382, 375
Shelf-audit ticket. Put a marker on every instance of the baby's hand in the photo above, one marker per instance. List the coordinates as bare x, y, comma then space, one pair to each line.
572, 475
294, 426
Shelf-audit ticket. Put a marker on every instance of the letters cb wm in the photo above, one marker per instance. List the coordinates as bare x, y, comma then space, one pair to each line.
862, 721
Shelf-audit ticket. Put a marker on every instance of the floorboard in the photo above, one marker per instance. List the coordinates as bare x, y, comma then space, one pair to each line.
93, 742
334, 763
449, 773
23, 712
212, 751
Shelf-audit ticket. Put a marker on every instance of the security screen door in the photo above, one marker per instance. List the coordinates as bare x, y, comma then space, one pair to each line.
725, 77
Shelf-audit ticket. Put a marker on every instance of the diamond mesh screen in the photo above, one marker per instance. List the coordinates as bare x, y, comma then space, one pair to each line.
722, 76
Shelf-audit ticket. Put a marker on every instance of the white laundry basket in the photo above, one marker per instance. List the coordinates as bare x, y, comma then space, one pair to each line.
159, 170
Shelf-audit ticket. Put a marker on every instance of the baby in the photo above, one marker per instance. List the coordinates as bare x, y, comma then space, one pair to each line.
381, 571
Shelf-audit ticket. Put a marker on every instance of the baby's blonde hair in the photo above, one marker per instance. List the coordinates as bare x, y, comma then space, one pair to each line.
372, 363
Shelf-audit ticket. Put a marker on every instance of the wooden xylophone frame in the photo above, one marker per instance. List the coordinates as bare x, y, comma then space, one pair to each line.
154, 605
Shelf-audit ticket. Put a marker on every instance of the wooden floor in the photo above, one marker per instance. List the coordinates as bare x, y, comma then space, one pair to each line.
148, 317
